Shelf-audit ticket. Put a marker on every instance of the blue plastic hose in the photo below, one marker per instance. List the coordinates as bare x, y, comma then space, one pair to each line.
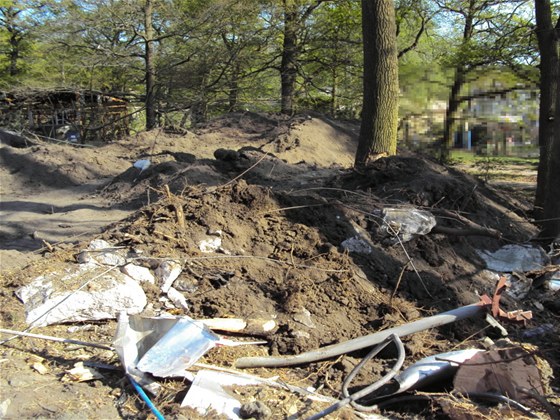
146, 399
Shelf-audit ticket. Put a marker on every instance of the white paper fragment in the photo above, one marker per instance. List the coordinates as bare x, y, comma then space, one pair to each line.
81, 373
167, 273
50, 300
407, 223
4, 406
356, 244
40, 368
207, 393
210, 244
139, 273
518, 258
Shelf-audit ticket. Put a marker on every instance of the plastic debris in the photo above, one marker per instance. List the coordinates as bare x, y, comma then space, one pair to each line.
142, 164
178, 349
164, 347
356, 244
433, 368
370, 340
538, 331
554, 282
49, 300
518, 286
167, 273
554, 285
519, 258
146, 399
407, 223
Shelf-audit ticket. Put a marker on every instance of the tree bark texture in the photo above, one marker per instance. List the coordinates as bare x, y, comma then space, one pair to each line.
551, 214
288, 66
549, 75
378, 130
151, 117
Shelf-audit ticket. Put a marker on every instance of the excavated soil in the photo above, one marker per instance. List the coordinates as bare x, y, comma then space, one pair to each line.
281, 195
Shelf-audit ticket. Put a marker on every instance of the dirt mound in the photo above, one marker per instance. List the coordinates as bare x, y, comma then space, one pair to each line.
315, 140
52, 166
285, 253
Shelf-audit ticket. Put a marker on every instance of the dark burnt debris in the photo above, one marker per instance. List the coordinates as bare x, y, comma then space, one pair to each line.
74, 115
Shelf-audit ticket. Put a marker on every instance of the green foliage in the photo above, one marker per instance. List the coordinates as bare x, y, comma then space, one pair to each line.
221, 55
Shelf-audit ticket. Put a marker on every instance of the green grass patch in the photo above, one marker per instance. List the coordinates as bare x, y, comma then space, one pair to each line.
466, 157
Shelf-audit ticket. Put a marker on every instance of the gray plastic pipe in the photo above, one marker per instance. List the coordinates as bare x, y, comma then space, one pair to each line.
363, 342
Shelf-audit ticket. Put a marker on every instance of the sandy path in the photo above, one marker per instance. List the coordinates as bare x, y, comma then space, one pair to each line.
57, 215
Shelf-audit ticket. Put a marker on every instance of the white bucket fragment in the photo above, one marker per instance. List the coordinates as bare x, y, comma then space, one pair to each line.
407, 223
177, 299
356, 244
139, 273
49, 299
167, 273
512, 258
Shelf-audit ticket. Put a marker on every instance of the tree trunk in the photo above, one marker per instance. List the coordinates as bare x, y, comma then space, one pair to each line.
288, 66
334, 92
233, 88
451, 114
200, 105
14, 54
547, 199
549, 74
151, 120
378, 130
551, 214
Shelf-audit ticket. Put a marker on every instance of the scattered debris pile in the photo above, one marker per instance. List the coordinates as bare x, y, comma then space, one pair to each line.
221, 288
